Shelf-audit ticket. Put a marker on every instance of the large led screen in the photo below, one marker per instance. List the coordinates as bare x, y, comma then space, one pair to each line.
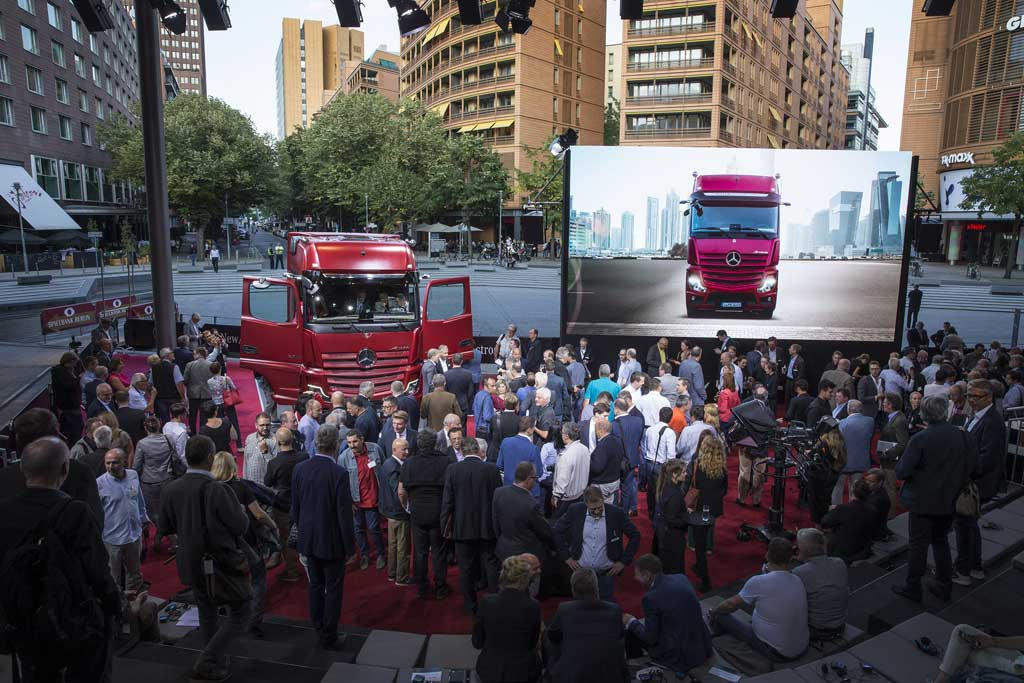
799, 244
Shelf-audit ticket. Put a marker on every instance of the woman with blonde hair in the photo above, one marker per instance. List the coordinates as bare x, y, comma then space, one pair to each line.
500, 390
709, 476
507, 627
830, 454
711, 417
672, 517
120, 438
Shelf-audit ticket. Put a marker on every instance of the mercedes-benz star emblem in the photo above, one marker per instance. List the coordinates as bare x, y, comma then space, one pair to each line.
733, 258
366, 358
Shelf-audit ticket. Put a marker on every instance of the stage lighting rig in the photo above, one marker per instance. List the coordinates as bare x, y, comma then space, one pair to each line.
937, 8
471, 12
172, 16
349, 13
563, 142
95, 15
215, 12
411, 17
515, 14
784, 9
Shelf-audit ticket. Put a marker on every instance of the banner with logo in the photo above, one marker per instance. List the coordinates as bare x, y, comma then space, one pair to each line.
60, 318
115, 308
144, 310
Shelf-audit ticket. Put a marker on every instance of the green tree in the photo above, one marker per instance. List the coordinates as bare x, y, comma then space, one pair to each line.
611, 122
543, 183
213, 154
999, 189
924, 200
475, 181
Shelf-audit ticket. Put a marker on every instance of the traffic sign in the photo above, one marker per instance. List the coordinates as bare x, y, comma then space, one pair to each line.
94, 235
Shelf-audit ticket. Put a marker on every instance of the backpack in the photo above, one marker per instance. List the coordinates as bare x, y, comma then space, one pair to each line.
44, 597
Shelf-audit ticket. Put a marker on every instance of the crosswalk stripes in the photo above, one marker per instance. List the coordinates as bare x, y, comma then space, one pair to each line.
969, 298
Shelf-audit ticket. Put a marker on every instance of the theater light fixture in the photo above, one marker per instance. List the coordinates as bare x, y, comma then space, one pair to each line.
471, 12
349, 13
215, 12
411, 17
95, 15
937, 8
172, 16
784, 9
563, 142
631, 9
515, 15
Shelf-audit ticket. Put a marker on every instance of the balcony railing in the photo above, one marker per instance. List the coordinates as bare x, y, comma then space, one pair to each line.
500, 140
483, 52
478, 113
646, 100
729, 102
672, 133
467, 87
725, 136
655, 31
670, 64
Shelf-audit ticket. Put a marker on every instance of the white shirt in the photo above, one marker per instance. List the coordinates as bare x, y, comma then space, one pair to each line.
137, 399
780, 611
936, 390
635, 392
650, 404
177, 432
571, 471
658, 447
686, 446
215, 253
978, 415
929, 372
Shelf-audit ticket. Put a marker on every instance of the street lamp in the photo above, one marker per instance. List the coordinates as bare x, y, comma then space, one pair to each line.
21, 225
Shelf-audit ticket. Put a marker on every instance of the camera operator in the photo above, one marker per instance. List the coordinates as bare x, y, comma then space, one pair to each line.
825, 460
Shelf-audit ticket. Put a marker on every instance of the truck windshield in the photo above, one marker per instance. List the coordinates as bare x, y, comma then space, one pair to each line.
757, 221
363, 298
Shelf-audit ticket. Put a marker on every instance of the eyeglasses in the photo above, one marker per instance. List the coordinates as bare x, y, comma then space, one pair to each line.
977, 395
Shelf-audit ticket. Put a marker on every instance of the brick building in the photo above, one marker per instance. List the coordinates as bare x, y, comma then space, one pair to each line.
186, 53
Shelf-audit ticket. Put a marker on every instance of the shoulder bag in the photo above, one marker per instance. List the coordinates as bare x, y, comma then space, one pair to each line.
968, 502
225, 581
232, 397
175, 467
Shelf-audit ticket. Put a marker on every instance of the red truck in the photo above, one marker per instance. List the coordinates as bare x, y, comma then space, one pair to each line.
350, 308
733, 256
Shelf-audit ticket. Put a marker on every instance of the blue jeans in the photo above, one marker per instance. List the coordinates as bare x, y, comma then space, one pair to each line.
627, 492
363, 518
606, 587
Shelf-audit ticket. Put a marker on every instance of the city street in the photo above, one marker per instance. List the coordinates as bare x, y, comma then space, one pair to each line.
854, 300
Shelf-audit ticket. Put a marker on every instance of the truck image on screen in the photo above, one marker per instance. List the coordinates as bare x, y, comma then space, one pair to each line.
733, 254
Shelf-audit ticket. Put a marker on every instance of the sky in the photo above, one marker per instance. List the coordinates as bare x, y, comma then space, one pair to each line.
240, 61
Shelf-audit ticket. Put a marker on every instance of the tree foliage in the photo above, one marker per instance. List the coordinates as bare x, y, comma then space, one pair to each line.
611, 123
543, 183
999, 189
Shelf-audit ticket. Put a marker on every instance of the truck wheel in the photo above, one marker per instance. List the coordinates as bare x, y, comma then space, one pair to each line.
767, 315
691, 312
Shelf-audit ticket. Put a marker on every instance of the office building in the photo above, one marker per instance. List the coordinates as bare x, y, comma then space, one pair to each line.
886, 226
613, 74
58, 84
725, 74
844, 214
859, 137
627, 230
310, 69
378, 74
185, 53
653, 232
602, 230
962, 99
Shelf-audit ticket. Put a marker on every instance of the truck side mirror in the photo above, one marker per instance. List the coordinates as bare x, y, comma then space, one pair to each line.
686, 213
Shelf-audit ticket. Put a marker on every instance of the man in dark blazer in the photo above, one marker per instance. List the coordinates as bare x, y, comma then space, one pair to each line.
691, 370
820, 406
506, 630
656, 355
207, 518
397, 429
590, 532
518, 523
428, 371
673, 632
466, 517
322, 511
407, 403
533, 354
799, 403
421, 487
584, 641
871, 390
934, 469
459, 381
503, 425
130, 419
103, 403
794, 370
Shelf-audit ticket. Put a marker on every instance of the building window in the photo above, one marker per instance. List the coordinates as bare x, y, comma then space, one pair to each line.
34, 78
579, 29
99, 109
579, 83
554, 106
28, 39
53, 15
27, 5
97, 77
38, 120
556, 16
577, 112
76, 30
609, 91
93, 45
57, 53
579, 55
5, 70
65, 127
72, 180
92, 184
79, 65
46, 176
556, 75
60, 89
6, 111
83, 101
86, 134
3, 35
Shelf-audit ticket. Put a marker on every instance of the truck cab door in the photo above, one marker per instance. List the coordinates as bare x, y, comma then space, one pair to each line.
271, 337
447, 317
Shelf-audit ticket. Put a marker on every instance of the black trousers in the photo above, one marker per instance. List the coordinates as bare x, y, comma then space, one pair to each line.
968, 544
700, 548
194, 404
933, 531
162, 407
427, 541
326, 585
71, 424
912, 314
89, 662
476, 561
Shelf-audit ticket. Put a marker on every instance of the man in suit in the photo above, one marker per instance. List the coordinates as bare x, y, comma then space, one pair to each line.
656, 355
590, 534
606, 460
428, 370
820, 406
895, 430
207, 518
459, 381
584, 641
322, 511
483, 409
466, 517
444, 439
871, 390
852, 526
399, 429
197, 373
392, 509
407, 403
754, 357
988, 432
561, 402
691, 371
518, 449
630, 430
103, 403
518, 523
934, 470
421, 487
795, 370
799, 403
533, 353
857, 430
437, 404
841, 399
183, 354
724, 342
130, 419
99, 377
673, 632
841, 378
194, 330
503, 425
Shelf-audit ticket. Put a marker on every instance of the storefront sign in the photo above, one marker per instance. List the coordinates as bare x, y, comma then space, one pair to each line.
1015, 23
112, 309
959, 158
974, 227
60, 318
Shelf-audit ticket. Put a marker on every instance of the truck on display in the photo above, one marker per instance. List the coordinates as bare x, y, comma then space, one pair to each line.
350, 308
733, 250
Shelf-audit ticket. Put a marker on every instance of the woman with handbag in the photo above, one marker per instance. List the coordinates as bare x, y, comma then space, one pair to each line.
225, 396
672, 517
706, 488
157, 462
217, 428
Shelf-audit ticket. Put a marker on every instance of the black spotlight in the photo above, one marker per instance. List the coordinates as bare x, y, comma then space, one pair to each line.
937, 8
631, 9
515, 15
470, 12
173, 16
411, 18
349, 13
95, 15
215, 12
784, 9
563, 142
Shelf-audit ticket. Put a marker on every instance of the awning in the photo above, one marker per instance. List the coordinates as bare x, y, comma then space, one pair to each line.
558, 48
484, 126
774, 142
503, 123
37, 207
746, 29
436, 30
441, 109
757, 38
13, 237
466, 129
775, 113
69, 238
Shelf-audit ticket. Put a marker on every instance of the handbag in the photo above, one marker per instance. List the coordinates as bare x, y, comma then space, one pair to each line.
968, 502
226, 581
232, 397
691, 498
175, 467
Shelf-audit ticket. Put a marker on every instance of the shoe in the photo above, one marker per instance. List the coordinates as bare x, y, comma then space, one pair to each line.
961, 579
941, 592
741, 503
402, 584
442, 593
256, 631
364, 562
210, 673
391, 579
632, 513
381, 562
289, 577
908, 593
336, 644
351, 560
978, 574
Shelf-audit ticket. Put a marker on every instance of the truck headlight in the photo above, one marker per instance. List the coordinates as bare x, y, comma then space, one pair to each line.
695, 283
769, 283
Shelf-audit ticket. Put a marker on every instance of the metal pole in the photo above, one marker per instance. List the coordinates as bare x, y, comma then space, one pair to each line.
151, 89
366, 206
227, 224
500, 198
1016, 327
21, 225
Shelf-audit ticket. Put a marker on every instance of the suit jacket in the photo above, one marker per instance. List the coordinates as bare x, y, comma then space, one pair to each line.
322, 509
469, 488
435, 406
196, 375
673, 631
867, 393
853, 528
90, 390
130, 420
653, 360
519, 525
427, 373
843, 413
388, 436
989, 435
95, 408
459, 381
80, 484
503, 425
585, 643
798, 406
842, 380
817, 410
606, 461
410, 405
182, 357
560, 400
367, 425
691, 371
533, 355
799, 368
754, 363
506, 630
569, 533
517, 449
896, 430
180, 513
857, 431
934, 469
630, 429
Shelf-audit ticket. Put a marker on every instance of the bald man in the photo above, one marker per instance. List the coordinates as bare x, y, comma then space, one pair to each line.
279, 478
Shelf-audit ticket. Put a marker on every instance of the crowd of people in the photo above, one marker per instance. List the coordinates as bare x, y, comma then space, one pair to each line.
529, 482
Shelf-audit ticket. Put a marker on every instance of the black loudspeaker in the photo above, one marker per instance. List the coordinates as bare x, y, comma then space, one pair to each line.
784, 9
216, 14
938, 8
95, 15
349, 13
631, 9
470, 12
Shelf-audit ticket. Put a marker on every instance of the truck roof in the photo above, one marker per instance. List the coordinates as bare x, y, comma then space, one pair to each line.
344, 252
763, 184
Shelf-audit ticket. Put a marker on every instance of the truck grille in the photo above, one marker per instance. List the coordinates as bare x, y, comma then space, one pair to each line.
344, 374
719, 275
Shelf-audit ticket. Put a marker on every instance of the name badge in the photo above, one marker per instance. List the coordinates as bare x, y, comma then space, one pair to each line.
371, 464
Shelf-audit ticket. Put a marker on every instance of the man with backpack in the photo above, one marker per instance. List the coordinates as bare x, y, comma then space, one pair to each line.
57, 597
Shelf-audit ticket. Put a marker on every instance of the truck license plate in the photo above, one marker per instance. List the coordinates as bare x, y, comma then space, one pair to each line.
731, 304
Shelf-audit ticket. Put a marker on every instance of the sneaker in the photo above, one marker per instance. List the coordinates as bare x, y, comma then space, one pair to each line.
381, 562
403, 583
961, 579
364, 562
978, 574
